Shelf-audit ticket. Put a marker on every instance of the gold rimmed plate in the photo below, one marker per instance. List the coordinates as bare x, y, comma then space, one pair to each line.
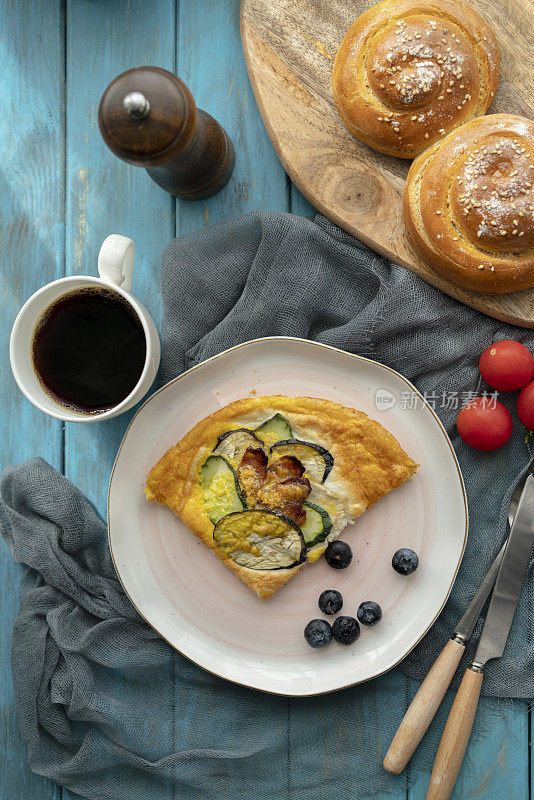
199, 606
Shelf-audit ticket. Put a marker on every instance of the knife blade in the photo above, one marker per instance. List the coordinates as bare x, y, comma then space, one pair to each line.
503, 603
464, 627
509, 581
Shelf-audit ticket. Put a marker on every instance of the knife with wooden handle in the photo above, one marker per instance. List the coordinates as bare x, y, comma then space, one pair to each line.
492, 642
426, 702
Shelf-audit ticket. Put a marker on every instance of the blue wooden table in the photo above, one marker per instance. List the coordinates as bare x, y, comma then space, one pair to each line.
62, 192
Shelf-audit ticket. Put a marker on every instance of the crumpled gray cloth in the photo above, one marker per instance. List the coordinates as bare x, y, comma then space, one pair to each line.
107, 708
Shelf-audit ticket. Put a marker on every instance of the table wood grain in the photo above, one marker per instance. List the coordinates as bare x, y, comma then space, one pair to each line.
62, 192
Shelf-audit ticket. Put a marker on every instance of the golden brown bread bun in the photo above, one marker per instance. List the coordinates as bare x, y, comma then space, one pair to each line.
410, 71
469, 204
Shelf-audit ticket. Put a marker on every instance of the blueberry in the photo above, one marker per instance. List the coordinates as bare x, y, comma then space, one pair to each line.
369, 613
330, 601
338, 555
405, 561
345, 630
318, 633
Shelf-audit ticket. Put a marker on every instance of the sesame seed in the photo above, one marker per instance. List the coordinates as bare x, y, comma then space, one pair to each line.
440, 97
522, 233
502, 232
438, 212
481, 266
441, 130
514, 232
414, 117
426, 135
492, 268
382, 86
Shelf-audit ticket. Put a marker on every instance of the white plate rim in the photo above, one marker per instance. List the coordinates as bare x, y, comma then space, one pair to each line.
427, 405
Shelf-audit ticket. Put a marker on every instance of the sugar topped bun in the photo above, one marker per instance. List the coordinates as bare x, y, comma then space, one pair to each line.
410, 71
469, 204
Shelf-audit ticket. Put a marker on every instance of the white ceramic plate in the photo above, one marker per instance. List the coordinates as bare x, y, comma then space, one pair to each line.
201, 608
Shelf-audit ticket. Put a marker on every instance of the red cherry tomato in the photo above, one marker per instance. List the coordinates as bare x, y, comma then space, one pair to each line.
525, 406
484, 424
506, 365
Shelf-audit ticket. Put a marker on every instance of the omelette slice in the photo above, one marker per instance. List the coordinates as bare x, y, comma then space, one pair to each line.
268, 482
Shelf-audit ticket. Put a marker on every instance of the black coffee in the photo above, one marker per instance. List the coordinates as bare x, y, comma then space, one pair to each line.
89, 349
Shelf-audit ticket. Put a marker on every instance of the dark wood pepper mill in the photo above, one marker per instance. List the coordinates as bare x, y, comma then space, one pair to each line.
148, 117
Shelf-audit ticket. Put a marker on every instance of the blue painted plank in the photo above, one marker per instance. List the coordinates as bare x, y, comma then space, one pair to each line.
299, 205
105, 195
210, 60
31, 232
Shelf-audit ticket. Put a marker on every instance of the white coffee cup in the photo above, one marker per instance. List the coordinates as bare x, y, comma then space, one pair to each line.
115, 269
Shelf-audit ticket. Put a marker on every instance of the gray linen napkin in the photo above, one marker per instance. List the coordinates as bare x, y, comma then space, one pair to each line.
110, 710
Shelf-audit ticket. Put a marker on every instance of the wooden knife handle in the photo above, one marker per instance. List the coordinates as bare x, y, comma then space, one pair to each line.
423, 707
451, 750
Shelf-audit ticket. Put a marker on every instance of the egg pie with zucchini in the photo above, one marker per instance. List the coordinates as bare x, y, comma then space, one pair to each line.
268, 482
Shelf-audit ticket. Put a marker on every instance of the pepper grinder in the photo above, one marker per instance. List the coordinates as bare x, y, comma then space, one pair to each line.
148, 118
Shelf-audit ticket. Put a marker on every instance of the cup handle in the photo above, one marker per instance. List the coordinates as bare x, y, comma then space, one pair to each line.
116, 260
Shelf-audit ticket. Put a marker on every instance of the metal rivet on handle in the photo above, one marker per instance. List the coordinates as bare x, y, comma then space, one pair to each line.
136, 105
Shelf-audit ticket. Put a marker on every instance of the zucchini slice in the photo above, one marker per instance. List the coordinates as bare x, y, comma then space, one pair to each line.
220, 488
276, 426
260, 539
317, 525
232, 444
317, 461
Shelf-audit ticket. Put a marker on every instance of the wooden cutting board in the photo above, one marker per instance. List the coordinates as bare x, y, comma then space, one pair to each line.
289, 47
